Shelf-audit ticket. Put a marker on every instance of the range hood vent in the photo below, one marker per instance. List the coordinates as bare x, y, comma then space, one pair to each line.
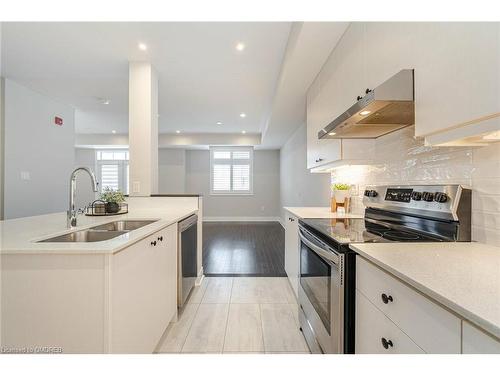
387, 108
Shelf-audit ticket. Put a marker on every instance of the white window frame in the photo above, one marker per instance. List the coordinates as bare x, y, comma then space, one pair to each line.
231, 162
122, 164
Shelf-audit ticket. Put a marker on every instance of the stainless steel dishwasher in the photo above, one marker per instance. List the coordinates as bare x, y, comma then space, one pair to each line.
187, 258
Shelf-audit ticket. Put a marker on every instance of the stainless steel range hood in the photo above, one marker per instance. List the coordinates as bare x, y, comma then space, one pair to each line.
386, 108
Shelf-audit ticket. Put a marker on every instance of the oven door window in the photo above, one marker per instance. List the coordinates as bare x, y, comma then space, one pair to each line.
315, 279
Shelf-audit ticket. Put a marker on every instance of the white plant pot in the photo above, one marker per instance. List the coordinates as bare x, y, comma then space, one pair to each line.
341, 195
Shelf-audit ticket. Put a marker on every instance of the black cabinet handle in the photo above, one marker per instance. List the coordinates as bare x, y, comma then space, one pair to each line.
386, 298
160, 238
386, 343
153, 243
318, 160
359, 98
367, 91
291, 219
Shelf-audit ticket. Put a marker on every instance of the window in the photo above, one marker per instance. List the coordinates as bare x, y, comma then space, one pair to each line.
112, 169
231, 170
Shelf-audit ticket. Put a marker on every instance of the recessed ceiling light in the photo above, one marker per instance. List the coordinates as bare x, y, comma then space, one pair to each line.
142, 46
177, 131
219, 123
364, 113
332, 133
113, 131
240, 46
243, 132
243, 115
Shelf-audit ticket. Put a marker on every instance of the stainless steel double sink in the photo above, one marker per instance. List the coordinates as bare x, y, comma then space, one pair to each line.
101, 232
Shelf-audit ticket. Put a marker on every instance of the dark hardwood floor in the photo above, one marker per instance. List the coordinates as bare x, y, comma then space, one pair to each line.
243, 249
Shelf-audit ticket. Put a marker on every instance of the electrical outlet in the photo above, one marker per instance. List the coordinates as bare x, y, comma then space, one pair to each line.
355, 189
25, 175
136, 187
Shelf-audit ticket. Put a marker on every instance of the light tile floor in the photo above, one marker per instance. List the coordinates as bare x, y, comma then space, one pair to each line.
237, 315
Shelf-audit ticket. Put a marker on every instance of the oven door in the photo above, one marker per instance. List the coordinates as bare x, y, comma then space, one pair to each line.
321, 294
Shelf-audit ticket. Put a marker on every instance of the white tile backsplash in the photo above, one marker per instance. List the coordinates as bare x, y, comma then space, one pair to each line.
402, 159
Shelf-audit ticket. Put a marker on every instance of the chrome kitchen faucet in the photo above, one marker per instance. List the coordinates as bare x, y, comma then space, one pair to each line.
72, 212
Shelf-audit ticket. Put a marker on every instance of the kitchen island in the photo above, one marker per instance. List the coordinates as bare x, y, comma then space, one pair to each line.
113, 296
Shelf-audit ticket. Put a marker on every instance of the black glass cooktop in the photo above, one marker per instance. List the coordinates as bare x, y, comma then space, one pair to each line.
346, 231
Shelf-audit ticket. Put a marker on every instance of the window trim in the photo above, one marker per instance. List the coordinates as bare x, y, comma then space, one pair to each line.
231, 163
122, 165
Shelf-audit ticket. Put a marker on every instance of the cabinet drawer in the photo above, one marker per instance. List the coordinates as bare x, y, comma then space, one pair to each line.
476, 341
432, 327
372, 326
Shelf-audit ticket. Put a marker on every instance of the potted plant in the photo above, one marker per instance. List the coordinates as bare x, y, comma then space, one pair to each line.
341, 194
113, 198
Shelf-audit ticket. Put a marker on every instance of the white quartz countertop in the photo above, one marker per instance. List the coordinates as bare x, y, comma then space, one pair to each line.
20, 236
465, 277
319, 213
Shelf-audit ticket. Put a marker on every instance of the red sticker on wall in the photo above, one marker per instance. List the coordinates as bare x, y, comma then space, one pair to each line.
58, 121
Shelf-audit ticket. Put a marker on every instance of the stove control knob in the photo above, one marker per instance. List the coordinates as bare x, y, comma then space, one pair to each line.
441, 197
428, 197
371, 193
416, 195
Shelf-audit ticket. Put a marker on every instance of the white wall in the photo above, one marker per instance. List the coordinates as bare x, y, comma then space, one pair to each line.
2, 145
35, 145
263, 204
402, 159
85, 157
298, 186
172, 171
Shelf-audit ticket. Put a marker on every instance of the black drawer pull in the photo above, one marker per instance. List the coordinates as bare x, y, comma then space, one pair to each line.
386, 343
386, 298
153, 243
160, 238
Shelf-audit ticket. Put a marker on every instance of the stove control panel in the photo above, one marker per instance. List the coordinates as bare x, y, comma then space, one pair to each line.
406, 195
426, 200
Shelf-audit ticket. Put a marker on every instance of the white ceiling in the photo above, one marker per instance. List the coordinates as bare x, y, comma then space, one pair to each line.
202, 78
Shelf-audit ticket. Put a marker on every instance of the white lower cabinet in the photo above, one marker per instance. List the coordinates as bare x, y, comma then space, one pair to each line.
376, 334
292, 251
143, 292
475, 341
389, 310
433, 328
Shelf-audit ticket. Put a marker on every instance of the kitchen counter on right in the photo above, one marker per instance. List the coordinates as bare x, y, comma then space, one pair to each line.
463, 276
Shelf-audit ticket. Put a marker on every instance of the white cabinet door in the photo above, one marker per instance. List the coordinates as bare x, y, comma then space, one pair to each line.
292, 251
334, 90
376, 334
143, 292
457, 75
474, 341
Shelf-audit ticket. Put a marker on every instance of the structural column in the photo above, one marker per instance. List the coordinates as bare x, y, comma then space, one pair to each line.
143, 129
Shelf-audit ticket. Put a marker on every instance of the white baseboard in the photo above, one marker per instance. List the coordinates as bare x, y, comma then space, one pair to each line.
242, 218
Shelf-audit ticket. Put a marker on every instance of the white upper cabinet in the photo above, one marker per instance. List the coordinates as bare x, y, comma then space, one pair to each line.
457, 75
334, 90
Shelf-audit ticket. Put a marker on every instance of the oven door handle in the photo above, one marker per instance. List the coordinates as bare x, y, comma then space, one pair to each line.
332, 257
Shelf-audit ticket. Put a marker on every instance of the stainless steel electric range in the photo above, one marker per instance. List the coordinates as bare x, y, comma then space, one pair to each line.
420, 213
